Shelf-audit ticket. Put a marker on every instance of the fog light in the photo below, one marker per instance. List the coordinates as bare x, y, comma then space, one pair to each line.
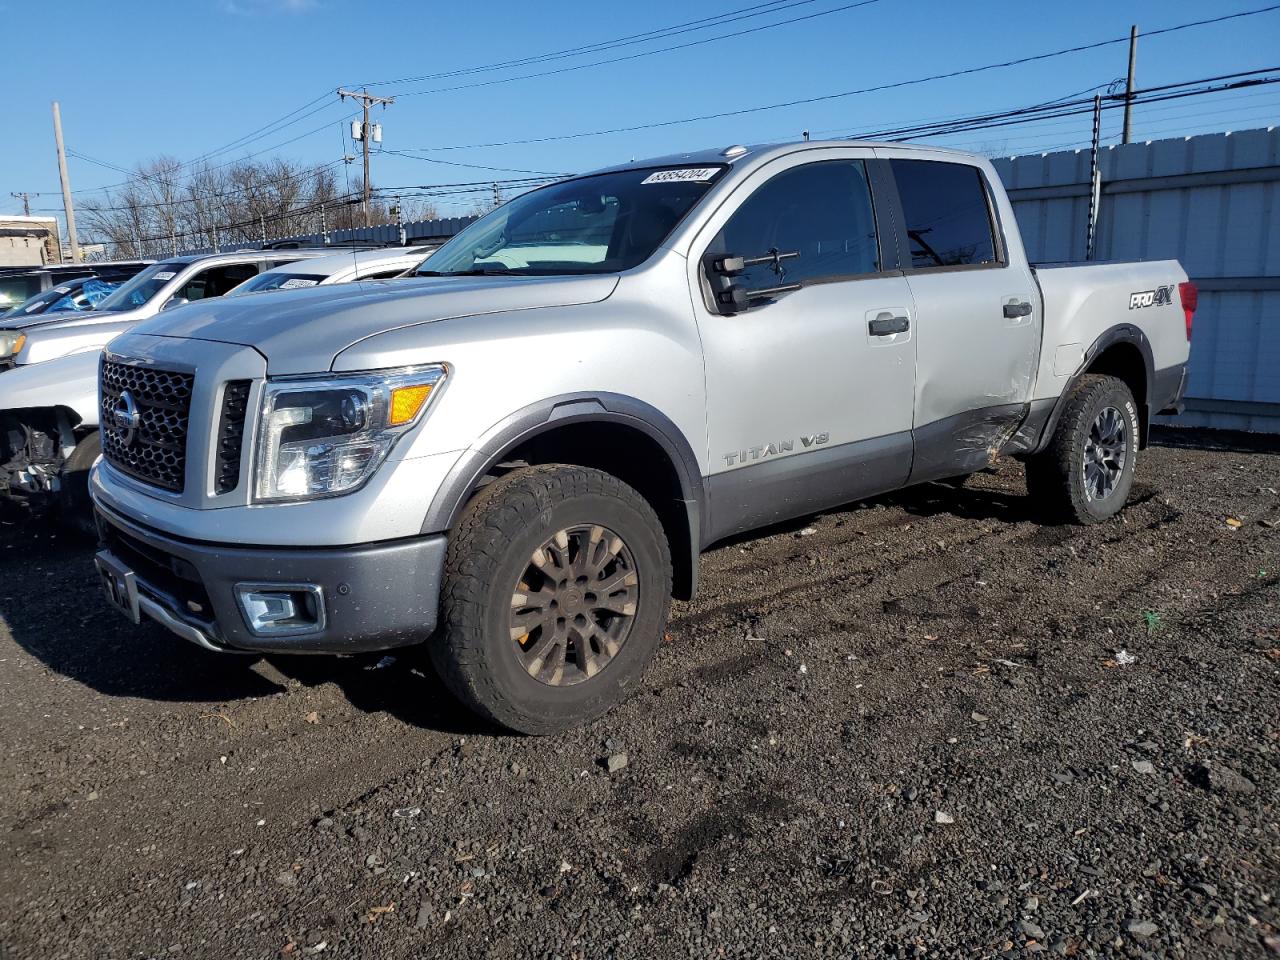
281, 609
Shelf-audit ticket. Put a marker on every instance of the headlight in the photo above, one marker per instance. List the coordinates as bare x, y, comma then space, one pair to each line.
11, 342
323, 437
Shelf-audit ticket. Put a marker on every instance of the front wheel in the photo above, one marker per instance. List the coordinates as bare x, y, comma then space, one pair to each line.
1087, 470
75, 508
557, 586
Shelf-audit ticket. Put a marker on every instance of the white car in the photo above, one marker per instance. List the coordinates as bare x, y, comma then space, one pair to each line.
337, 268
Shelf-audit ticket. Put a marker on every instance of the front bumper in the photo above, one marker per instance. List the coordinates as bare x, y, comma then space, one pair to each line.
374, 596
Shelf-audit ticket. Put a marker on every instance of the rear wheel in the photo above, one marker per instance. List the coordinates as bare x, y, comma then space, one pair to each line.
557, 584
1087, 470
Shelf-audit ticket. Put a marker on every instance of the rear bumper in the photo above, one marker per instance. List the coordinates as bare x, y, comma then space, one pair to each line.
1168, 389
373, 596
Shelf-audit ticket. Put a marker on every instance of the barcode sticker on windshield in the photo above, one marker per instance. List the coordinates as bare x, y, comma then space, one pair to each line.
293, 282
164, 275
682, 175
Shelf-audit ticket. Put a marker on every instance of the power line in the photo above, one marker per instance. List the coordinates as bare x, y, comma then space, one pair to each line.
280, 124
895, 85
639, 56
1074, 108
274, 126
472, 166
730, 16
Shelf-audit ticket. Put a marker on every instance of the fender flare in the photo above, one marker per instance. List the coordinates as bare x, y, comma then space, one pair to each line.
1121, 333
554, 412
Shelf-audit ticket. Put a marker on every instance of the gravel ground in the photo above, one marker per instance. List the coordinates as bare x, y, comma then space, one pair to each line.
922, 726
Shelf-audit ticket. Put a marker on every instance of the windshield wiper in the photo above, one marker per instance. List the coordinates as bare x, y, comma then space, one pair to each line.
476, 272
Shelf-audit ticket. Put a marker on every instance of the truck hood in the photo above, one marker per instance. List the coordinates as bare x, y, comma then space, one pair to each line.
74, 318
302, 331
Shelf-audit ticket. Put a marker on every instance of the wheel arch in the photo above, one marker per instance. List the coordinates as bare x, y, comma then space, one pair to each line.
1123, 352
626, 437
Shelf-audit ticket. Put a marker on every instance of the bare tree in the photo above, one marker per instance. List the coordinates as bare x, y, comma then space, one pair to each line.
164, 206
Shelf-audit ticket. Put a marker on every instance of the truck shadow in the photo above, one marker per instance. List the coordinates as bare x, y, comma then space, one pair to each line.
402, 683
52, 606
967, 503
51, 602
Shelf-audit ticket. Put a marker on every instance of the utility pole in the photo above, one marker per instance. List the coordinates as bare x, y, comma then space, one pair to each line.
26, 202
367, 133
1095, 182
66, 186
1128, 87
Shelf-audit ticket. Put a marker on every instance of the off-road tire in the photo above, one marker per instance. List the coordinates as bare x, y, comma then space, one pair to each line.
473, 651
1056, 476
75, 508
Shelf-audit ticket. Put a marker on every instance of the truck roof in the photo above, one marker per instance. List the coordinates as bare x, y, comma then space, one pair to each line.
754, 153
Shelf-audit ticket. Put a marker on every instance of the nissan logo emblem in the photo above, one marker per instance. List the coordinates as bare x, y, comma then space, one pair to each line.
126, 417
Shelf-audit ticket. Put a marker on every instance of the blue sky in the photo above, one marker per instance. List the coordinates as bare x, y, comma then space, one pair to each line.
137, 79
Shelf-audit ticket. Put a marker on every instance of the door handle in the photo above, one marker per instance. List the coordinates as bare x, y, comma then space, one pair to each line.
1012, 311
886, 325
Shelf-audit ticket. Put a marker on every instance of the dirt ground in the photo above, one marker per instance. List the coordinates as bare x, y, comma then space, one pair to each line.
921, 726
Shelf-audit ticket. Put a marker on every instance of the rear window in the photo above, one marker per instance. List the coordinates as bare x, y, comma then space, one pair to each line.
947, 215
283, 280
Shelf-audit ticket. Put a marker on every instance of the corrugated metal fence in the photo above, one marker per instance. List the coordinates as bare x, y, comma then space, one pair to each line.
418, 231
1213, 203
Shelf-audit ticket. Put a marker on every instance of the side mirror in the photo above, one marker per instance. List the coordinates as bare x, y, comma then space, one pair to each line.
174, 302
724, 272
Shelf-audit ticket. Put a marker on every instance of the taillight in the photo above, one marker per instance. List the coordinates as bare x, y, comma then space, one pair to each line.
1190, 295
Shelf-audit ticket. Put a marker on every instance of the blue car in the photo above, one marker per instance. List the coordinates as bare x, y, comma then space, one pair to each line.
80, 294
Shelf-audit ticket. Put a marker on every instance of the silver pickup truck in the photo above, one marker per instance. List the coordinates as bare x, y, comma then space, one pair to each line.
517, 458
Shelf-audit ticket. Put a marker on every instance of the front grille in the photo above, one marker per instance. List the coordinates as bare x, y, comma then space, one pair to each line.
156, 450
235, 405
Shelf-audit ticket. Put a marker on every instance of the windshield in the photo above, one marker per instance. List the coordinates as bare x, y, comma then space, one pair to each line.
600, 224
41, 302
67, 298
273, 280
142, 287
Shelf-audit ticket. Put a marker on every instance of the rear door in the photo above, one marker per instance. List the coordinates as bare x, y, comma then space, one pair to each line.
809, 390
977, 315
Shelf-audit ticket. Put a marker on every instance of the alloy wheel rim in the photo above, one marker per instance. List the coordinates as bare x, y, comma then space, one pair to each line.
574, 604
1105, 453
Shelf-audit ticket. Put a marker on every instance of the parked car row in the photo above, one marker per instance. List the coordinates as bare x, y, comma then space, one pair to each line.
49, 414
26, 290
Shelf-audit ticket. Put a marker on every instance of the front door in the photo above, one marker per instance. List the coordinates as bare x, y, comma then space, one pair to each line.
977, 318
810, 389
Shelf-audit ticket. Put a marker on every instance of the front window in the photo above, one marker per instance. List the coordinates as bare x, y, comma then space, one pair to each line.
139, 290
819, 213
599, 224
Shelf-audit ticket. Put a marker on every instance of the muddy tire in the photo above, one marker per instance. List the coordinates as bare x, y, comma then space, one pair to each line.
1085, 474
557, 587
75, 508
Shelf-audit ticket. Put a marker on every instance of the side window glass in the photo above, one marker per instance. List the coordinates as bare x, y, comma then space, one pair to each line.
820, 211
217, 281
194, 288
947, 215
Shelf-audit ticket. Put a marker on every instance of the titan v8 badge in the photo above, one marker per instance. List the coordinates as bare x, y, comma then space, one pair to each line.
740, 457
1151, 298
